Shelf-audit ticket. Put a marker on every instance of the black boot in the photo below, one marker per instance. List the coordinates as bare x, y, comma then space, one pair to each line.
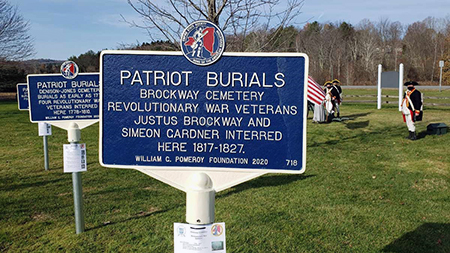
409, 136
413, 136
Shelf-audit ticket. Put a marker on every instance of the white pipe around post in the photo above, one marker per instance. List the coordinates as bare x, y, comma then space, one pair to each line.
379, 86
400, 86
200, 198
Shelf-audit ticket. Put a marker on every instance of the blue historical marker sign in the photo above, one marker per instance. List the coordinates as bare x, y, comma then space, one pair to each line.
55, 98
246, 112
22, 96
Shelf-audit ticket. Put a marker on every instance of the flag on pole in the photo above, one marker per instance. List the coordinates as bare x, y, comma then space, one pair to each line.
315, 93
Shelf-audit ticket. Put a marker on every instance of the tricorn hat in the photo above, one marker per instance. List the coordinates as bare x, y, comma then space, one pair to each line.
327, 82
411, 83
336, 81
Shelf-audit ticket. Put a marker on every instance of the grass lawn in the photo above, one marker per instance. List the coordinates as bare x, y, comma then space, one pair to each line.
366, 189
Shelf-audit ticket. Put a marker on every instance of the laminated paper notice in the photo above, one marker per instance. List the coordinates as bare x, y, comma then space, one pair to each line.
74, 158
44, 129
190, 238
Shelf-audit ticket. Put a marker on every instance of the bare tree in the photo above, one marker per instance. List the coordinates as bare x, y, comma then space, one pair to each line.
369, 46
390, 34
15, 43
446, 58
347, 35
420, 50
439, 26
236, 17
322, 43
312, 41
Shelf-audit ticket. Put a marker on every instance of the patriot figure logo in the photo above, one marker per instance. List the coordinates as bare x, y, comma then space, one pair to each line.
202, 42
217, 230
69, 69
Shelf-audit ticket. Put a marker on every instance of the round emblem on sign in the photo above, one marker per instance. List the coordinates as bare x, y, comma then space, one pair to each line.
202, 42
217, 230
69, 69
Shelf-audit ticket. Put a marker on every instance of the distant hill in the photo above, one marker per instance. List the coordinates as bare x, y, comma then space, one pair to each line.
44, 61
13, 72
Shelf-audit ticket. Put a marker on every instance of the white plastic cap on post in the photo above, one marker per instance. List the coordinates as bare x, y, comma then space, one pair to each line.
73, 133
200, 199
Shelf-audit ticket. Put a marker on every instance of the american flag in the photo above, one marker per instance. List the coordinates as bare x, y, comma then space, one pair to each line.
315, 93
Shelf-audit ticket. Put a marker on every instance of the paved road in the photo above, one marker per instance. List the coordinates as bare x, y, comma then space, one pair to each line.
419, 87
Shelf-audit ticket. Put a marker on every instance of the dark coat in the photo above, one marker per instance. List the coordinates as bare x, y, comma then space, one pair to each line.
416, 99
334, 92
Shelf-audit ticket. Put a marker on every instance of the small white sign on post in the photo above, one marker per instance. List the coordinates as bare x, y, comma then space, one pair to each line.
190, 238
441, 65
45, 129
74, 158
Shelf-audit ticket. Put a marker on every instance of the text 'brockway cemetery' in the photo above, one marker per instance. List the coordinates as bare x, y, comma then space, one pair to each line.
160, 112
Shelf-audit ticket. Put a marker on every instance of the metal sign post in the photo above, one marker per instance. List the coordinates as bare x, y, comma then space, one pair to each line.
45, 130
74, 137
46, 163
441, 65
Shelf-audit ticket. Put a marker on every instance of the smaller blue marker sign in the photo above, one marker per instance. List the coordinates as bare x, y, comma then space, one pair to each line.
55, 98
22, 96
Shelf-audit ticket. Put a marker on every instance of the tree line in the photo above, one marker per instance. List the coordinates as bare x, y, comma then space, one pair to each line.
351, 53
336, 50
339, 50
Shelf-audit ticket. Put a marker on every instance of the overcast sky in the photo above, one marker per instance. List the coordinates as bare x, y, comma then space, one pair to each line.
62, 28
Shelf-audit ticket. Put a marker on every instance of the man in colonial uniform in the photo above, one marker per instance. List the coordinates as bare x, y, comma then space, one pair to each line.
337, 85
331, 96
412, 107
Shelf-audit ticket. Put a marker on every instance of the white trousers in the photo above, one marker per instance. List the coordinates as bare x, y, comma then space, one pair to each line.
410, 123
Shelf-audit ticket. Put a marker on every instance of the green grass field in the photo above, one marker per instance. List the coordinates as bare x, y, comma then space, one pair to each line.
366, 189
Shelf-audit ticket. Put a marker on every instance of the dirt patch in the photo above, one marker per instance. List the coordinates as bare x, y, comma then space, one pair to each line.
149, 211
434, 184
40, 216
85, 190
150, 188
